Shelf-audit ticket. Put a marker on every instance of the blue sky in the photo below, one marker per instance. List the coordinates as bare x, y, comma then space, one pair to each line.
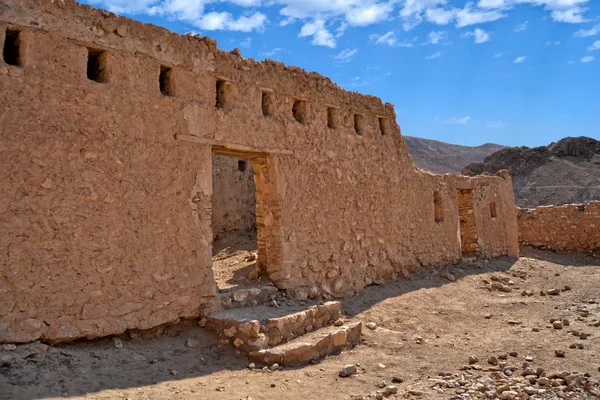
513, 72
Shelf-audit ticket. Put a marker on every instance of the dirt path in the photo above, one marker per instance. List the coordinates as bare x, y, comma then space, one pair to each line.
427, 325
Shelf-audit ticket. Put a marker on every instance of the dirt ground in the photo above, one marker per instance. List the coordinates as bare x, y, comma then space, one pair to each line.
234, 260
427, 326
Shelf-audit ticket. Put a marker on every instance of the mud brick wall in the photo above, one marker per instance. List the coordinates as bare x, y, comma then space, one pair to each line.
568, 228
106, 183
234, 196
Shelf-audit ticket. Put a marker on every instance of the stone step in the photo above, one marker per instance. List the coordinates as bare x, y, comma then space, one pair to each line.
310, 347
259, 327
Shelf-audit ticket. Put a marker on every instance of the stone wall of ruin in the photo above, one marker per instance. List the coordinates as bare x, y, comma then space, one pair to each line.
568, 228
106, 187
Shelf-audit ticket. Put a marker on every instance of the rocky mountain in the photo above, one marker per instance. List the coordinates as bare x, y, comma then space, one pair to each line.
442, 158
564, 172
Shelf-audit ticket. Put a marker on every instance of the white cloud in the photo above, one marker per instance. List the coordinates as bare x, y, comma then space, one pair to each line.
492, 3
214, 21
479, 35
594, 46
331, 13
498, 55
520, 60
588, 59
496, 124
353, 12
389, 39
572, 15
434, 55
329, 19
367, 15
193, 12
457, 121
346, 55
131, 6
246, 43
412, 7
437, 12
189, 11
321, 36
287, 21
441, 12
246, 3
568, 11
435, 37
439, 16
522, 27
469, 16
550, 43
271, 53
593, 31
356, 82
550, 5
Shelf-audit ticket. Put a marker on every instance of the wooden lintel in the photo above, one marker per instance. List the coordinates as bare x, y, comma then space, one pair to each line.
233, 149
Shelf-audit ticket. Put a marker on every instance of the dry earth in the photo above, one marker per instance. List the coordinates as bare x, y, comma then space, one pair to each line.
234, 260
427, 326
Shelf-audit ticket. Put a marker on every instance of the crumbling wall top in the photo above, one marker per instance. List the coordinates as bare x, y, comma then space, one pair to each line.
84, 23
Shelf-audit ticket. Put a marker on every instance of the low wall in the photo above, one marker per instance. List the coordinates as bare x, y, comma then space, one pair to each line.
569, 228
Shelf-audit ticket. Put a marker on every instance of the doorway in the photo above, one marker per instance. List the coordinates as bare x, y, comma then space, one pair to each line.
245, 219
468, 230
235, 246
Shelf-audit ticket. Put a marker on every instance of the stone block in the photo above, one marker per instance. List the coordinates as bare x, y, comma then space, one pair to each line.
300, 353
339, 338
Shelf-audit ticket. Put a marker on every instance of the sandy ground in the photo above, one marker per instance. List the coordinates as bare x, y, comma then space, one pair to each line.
426, 325
234, 261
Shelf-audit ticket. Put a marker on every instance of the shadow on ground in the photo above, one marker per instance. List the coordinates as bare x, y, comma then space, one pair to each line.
186, 351
232, 242
568, 260
426, 278
83, 367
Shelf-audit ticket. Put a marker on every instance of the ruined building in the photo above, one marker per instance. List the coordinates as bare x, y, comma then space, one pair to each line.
108, 130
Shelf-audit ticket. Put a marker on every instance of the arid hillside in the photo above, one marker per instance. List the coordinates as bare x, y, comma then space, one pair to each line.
564, 172
443, 158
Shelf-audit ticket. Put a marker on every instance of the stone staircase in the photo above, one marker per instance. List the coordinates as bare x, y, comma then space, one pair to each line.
290, 335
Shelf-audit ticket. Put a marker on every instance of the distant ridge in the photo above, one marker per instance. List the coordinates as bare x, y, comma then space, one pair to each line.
564, 172
443, 158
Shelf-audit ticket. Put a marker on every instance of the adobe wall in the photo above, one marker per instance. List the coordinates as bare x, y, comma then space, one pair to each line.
234, 196
105, 188
568, 228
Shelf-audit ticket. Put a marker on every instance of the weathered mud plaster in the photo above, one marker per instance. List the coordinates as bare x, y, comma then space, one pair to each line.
105, 188
234, 196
